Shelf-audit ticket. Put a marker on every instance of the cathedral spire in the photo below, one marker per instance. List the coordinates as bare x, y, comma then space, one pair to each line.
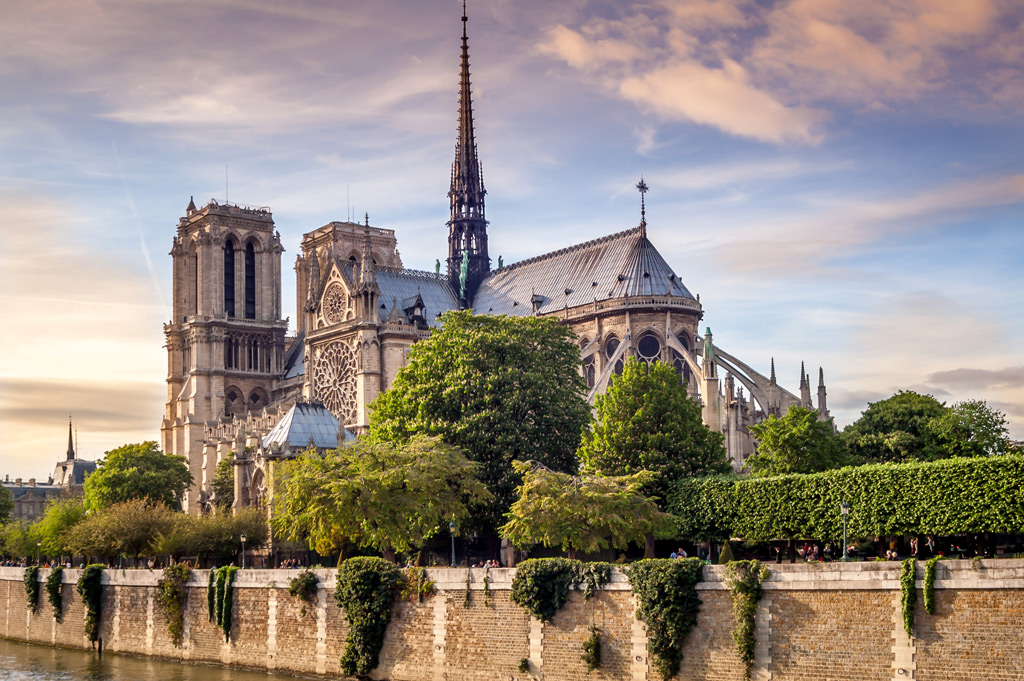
71, 443
467, 226
642, 187
314, 279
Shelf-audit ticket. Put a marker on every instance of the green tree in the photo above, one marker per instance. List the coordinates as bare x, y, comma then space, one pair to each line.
499, 388
390, 496
894, 429
137, 471
55, 526
583, 512
646, 421
970, 428
131, 528
796, 443
224, 484
18, 540
6, 504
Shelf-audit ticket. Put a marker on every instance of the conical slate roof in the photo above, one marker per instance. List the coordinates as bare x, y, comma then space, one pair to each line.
304, 423
617, 266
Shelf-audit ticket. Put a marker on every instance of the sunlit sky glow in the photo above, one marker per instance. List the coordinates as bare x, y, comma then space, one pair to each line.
842, 183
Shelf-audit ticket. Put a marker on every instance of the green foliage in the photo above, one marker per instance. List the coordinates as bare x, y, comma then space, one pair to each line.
305, 586
418, 585
6, 504
592, 649
970, 428
647, 421
90, 588
667, 602
215, 537
53, 591
908, 594
929, 584
583, 512
725, 557
796, 443
138, 471
171, 592
946, 497
31, 578
541, 585
19, 539
366, 590
59, 518
211, 595
225, 598
524, 665
499, 388
743, 578
389, 496
894, 429
131, 528
224, 484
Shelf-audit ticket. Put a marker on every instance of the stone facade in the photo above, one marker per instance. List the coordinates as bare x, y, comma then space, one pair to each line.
824, 621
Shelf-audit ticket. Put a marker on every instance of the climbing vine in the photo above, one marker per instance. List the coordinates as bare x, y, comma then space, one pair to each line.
32, 587
542, 585
304, 585
592, 649
53, 594
908, 576
367, 589
90, 588
929, 585
743, 579
171, 592
417, 585
225, 577
666, 596
211, 595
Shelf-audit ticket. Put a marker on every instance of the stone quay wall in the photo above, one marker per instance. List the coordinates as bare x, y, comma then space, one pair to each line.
820, 621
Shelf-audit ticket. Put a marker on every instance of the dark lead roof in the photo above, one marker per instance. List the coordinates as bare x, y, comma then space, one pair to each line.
616, 266
398, 286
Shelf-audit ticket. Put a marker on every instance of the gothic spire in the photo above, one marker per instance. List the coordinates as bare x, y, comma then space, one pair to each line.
642, 187
314, 279
71, 443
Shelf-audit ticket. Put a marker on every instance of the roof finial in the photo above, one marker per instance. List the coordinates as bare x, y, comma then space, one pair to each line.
642, 186
71, 444
367, 218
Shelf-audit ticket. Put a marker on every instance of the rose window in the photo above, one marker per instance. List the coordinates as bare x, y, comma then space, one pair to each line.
335, 304
334, 380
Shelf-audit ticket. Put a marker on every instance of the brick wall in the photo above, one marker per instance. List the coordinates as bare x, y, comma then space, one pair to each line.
822, 622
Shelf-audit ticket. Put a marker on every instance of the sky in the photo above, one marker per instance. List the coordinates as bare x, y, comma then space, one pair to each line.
842, 183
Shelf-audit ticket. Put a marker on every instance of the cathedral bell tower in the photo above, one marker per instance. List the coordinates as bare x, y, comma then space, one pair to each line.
468, 262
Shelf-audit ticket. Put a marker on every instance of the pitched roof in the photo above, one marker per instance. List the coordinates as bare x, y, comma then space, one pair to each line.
615, 266
397, 286
304, 423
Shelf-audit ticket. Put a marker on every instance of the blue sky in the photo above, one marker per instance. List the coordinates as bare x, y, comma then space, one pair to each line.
842, 183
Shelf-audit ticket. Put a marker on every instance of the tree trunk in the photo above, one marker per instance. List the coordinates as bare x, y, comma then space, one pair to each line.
791, 550
389, 554
649, 545
571, 553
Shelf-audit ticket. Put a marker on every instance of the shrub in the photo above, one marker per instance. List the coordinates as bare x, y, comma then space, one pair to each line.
667, 602
367, 588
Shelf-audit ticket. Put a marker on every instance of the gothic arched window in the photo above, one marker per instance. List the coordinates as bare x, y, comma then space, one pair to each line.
250, 281
648, 349
229, 277
590, 371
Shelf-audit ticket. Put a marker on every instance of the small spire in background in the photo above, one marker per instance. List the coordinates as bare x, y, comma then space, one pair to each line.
642, 186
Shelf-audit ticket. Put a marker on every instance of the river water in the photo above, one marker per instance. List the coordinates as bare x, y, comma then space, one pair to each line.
26, 662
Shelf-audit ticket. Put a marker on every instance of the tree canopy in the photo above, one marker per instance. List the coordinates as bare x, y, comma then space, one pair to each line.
970, 428
224, 484
647, 421
390, 496
894, 429
499, 388
6, 504
55, 526
583, 512
796, 443
137, 471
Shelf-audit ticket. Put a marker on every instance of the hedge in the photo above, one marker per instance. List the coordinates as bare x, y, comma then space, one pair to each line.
946, 497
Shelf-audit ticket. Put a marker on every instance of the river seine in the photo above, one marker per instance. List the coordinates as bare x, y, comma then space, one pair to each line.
25, 662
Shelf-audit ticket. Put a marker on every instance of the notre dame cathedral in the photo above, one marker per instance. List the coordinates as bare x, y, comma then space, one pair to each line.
239, 387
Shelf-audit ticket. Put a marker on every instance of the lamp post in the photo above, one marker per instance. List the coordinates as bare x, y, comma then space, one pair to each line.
844, 509
39, 551
451, 530
243, 550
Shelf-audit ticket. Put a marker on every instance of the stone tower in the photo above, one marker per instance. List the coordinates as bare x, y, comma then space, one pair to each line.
225, 342
468, 262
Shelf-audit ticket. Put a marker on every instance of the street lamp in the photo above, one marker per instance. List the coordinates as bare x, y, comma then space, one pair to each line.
243, 551
451, 530
844, 509
39, 551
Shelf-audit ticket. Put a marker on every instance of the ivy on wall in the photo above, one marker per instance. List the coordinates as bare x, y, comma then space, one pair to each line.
666, 595
211, 595
90, 588
304, 585
908, 594
171, 593
592, 649
366, 590
53, 591
946, 497
225, 596
743, 578
31, 578
929, 584
542, 585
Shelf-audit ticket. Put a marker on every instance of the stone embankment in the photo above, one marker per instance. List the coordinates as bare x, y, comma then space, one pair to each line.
820, 621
